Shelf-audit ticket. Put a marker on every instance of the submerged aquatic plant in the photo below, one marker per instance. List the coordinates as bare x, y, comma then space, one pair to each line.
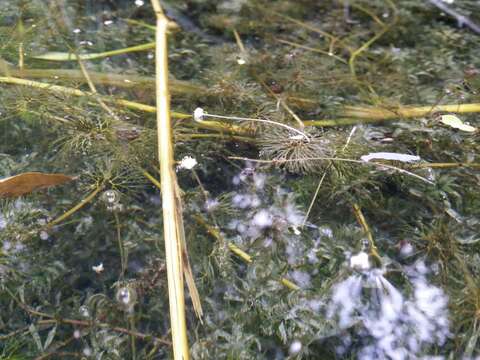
311, 88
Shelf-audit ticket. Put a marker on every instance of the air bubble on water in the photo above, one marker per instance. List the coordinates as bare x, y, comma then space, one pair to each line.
110, 196
295, 347
127, 297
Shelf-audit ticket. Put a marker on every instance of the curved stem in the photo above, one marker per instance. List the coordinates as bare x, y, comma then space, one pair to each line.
305, 136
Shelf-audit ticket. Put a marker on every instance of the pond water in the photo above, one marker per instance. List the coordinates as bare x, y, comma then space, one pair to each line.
327, 163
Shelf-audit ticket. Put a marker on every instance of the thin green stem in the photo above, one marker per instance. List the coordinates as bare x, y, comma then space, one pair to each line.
121, 248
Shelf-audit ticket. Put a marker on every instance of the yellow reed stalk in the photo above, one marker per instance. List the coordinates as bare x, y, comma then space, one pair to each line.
75, 92
172, 217
378, 113
444, 165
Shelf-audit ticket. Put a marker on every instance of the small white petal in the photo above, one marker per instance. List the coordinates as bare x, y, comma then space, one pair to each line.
295, 347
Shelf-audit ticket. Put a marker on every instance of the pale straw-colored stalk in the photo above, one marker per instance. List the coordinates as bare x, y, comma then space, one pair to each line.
174, 237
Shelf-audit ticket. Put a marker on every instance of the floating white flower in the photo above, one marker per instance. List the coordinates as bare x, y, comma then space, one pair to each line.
198, 114
98, 268
360, 261
187, 163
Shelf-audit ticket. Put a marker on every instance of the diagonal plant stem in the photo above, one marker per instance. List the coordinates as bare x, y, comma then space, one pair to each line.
366, 228
77, 207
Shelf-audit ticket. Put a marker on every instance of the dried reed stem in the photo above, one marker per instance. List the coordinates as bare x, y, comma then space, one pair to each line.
169, 189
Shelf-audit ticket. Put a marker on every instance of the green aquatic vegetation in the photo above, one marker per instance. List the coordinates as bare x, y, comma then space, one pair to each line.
284, 221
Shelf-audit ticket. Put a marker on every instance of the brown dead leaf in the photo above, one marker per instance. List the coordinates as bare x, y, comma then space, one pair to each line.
25, 183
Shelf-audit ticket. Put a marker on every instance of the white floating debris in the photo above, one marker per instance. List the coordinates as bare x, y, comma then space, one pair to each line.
139, 3
99, 268
108, 22
360, 261
187, 163
456, 123
77, 31
390, 156
198, 114
241, 61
